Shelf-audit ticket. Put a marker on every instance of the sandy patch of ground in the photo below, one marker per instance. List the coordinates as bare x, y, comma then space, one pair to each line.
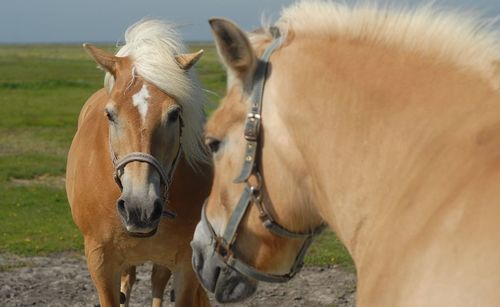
63, 280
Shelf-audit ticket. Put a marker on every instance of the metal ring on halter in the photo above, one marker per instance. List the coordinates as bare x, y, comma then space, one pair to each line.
255, 189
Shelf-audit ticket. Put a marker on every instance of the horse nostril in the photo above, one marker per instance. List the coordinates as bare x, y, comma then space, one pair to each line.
197, 260
158, 209
121, 207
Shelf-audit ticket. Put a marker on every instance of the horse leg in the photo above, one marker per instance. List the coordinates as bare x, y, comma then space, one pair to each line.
187, 289
127, 282
104, 273
159, 280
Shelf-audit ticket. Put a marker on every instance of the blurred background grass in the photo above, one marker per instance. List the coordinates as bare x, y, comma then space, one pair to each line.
42, 88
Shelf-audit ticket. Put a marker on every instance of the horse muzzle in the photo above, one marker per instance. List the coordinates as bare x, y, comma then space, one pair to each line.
140, 221
227, 284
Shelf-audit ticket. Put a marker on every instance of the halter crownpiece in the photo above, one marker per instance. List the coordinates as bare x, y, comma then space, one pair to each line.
252, 193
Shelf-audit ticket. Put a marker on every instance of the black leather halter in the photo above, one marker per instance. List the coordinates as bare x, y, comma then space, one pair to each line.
252, 193
165, 179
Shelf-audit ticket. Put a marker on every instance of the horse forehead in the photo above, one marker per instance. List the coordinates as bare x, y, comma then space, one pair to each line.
141, 101
232, 111
147, 99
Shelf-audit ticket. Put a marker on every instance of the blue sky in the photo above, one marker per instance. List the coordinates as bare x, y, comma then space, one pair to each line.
47, 21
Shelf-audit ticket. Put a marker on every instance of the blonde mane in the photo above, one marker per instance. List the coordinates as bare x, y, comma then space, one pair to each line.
462, 39
153, 44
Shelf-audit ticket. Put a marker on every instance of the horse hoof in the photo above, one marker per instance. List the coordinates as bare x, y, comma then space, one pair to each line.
123, 298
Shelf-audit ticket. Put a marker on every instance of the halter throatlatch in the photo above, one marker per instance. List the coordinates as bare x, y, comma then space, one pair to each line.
252, 193
165, 178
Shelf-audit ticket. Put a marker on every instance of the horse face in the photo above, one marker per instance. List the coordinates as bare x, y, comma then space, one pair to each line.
254, 245
142, 119
227, 284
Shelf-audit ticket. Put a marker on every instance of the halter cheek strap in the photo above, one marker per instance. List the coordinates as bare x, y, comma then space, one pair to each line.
253, 122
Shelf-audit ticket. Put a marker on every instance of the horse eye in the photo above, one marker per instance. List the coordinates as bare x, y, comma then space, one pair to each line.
173, 115
213, 144
109, 115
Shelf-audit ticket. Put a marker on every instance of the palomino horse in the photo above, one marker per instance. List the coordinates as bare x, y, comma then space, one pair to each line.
383, 125
145, 128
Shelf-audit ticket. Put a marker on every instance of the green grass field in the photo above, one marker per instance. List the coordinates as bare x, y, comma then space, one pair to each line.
42, 88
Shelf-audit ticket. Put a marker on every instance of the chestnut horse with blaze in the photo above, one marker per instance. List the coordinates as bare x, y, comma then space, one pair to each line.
137, 170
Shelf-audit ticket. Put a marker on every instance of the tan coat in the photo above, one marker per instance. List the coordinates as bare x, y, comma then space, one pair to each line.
392, 140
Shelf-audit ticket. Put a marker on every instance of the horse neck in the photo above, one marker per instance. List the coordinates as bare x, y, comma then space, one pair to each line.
386, 136
189, 188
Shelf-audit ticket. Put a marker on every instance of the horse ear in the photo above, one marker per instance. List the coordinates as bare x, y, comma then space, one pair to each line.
105, 60
233, 47
187, 60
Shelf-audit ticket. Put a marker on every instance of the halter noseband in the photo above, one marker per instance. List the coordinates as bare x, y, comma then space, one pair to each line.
252, 193
165, 179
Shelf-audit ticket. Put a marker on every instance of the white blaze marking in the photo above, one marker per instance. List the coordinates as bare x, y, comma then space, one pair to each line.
140, 100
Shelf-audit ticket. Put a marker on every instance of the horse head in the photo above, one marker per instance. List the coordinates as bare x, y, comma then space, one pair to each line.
145, 129
254, 226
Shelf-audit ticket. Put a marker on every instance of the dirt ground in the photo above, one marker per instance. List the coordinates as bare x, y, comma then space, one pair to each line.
63, 280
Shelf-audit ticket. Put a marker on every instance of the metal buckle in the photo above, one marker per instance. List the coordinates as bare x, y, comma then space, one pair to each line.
252, 127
